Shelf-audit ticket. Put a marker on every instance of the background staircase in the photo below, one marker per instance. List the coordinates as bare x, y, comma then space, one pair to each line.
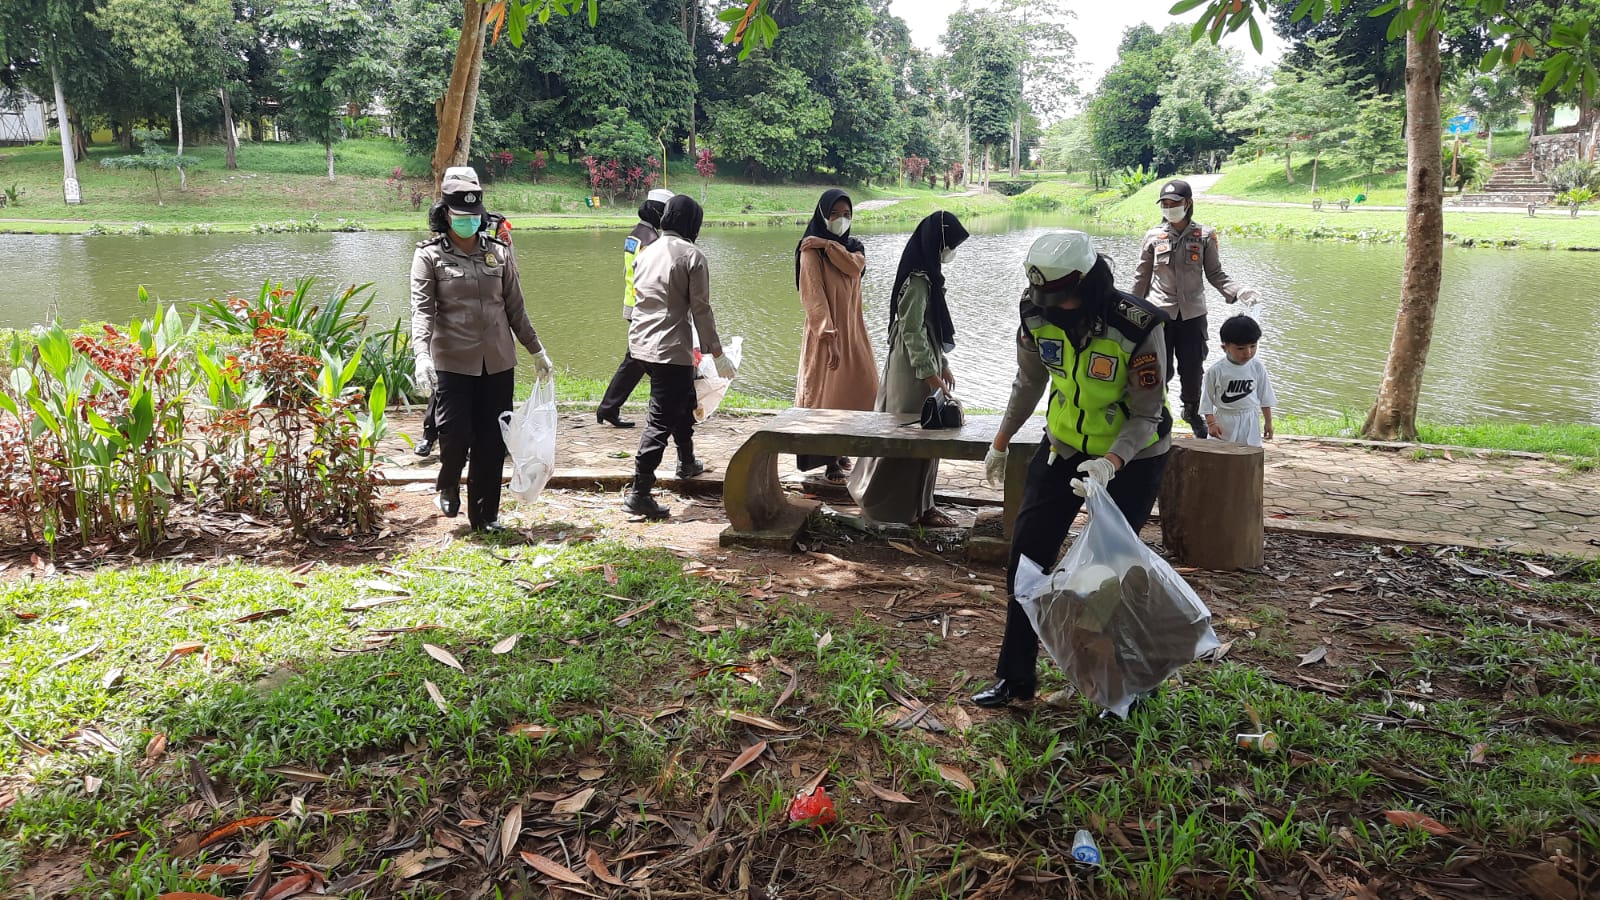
1512, 184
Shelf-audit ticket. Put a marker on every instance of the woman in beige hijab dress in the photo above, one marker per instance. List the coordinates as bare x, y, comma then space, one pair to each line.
837, 370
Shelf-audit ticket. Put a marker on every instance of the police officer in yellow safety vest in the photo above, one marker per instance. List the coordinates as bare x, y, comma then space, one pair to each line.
631, 370
1102, 353
1176, 256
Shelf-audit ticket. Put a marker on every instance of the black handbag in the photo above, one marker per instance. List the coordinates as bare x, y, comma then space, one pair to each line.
941, 411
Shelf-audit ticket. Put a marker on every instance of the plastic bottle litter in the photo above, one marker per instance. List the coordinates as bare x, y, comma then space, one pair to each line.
814, 809
1084, 849
1264, 742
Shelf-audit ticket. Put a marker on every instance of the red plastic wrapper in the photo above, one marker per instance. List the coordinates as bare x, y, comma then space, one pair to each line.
814, 809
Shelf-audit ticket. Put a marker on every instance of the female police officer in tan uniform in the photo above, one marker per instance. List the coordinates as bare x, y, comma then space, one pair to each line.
466, 304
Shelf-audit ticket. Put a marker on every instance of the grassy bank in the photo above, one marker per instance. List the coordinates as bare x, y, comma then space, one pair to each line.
422, 726
1581, 442
1551, 230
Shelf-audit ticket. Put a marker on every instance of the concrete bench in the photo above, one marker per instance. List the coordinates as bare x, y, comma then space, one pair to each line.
762, 514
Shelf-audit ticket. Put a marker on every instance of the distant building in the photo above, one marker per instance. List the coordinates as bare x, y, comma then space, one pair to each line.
22, 118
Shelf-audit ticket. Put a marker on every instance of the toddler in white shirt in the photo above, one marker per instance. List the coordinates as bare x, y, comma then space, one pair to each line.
1237, 394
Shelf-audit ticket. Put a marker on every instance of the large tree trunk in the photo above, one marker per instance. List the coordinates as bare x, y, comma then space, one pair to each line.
1211, 505
691, 33
1016, 146
183, 180
80, 136
230, 135
461, 97
966, 149
1394, 415
69, 165
1540, 118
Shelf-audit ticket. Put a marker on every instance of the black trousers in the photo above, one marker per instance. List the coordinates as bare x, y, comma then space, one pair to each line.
670, 416
468, 408
1186, 342
621, 387
1043, 521
430, 418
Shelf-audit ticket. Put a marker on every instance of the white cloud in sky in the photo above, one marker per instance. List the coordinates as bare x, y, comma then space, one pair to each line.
1098, 25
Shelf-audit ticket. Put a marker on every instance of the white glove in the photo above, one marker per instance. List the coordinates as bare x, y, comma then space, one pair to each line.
725, 367
994, 467
1247, 296
542, 366
1099, 470
422, 374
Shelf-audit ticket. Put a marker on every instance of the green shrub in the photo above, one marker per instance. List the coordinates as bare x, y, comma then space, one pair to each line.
1573, 174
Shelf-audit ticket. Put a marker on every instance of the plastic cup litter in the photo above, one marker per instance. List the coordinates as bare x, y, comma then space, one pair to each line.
1084, 849
1265, 742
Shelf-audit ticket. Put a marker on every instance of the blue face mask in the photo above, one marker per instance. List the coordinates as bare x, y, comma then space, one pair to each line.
465, 226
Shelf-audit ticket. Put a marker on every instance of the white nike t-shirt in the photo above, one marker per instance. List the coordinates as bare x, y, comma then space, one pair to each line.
1235, 395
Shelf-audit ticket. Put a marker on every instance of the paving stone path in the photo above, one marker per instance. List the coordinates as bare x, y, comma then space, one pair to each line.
1467, 497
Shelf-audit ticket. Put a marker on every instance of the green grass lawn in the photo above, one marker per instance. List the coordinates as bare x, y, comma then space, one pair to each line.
1264, 180
287, 184
1552, 229
382, 715
1580, 442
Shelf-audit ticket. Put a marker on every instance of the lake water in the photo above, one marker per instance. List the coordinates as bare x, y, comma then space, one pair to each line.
1515, 337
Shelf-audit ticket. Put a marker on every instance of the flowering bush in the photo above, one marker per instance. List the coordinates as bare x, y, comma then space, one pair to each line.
537, 165
915, 166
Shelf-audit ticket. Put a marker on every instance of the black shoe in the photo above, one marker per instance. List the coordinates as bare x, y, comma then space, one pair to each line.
694, 468
615, 420
491, 528
1194, 420
642, 504
425, 448
449, 501
1002, 692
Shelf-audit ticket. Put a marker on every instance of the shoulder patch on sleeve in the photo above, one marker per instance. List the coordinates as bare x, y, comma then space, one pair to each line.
1146, 370
630, 244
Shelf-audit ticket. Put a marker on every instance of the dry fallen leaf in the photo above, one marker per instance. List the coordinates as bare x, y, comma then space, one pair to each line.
1537, 569
610, 573
187, 895
1405, 818
788, 691
824, 641
156, 748
387, 587
531, 731
505, 645
1314, 655
628, 617
552, 868
438, 698
904, 548
591, 773
260, 614
179, 651
1479, 753
756, 721
883, 793
444, 656
956, 777
222, 832
510, 830
74, 656
91, 784
573, 804
1586, 759
746, 758
598, 867
296, 773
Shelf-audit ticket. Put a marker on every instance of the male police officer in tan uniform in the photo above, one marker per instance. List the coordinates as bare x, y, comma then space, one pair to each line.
1176, 256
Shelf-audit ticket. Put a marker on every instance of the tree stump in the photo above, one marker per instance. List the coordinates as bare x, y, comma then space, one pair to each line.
1211, 504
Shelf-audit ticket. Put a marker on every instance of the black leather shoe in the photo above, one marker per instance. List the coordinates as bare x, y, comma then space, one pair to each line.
425, 448
615, 420
449, 501
491, 528
1002, 692
1192, 417
694, 468
642, 504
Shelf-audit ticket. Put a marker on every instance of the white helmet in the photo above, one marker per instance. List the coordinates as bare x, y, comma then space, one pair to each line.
660, 195
1058, 255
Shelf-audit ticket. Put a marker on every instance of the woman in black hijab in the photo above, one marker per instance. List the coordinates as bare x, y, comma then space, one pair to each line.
837, 370
920, 334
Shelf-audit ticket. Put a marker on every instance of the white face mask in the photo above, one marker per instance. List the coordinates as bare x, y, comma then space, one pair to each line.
840, 226
947, 254
1174, 214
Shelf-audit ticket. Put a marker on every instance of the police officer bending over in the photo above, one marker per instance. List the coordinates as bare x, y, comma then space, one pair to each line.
1102, 354
1175, 257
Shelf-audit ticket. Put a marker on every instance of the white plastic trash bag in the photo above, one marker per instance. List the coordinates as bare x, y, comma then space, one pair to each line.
1114, 616
530, 436
709, 387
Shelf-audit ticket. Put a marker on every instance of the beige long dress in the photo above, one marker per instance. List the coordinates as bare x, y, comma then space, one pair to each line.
830, 291
901, 490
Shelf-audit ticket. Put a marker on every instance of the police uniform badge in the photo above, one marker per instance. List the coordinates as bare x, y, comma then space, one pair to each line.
630, 244
489, 259
1146, 370
1102, 367
1051, 351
